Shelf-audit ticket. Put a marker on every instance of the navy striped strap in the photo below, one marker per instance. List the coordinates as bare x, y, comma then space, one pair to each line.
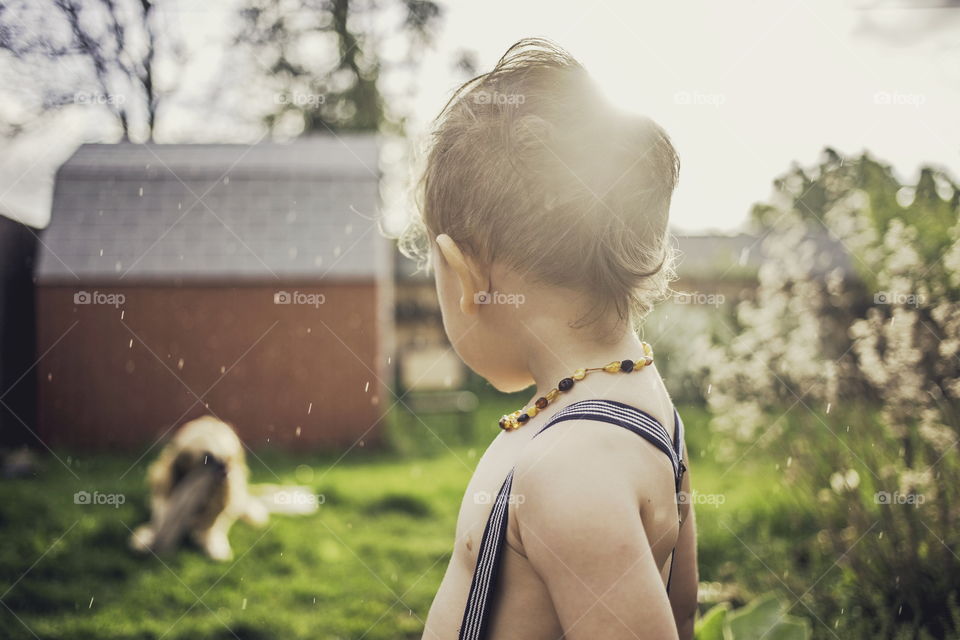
476, 614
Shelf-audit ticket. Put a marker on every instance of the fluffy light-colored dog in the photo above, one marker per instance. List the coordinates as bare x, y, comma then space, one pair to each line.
198, 488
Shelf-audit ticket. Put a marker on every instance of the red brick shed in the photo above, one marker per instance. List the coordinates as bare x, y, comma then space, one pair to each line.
249, 282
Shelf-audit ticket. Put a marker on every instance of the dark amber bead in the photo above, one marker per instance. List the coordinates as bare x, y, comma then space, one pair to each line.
626, 366
503, 422
565, 385
542, 403
522, 418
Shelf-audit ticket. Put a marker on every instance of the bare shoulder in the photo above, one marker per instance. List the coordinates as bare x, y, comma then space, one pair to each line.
580, 495
590, 452
582, 468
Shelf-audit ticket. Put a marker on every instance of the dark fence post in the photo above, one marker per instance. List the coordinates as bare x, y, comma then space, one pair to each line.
18, 336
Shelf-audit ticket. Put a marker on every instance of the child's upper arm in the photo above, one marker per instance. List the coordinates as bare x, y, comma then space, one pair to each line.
580, 525
684, 584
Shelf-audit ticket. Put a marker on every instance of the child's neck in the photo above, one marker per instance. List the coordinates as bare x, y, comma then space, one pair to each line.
558, 354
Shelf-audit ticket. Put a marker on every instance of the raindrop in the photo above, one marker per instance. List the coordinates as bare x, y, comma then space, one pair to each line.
243, 605
89, 606
309, 408
180, 364
366, 387
130, 346
140, 194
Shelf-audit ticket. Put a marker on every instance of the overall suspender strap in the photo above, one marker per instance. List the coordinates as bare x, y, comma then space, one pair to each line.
476, 614
678, 448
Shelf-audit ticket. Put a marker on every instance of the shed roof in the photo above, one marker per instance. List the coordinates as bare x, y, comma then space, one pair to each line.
162, 213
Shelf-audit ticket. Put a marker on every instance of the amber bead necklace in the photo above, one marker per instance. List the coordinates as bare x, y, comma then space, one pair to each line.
520, 417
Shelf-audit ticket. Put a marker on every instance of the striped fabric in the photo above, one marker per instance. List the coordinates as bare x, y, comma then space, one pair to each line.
476, 615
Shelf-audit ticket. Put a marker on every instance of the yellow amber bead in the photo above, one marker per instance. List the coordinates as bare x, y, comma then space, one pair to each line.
552, 395
579, 374
613, 367
647, 349
532, 411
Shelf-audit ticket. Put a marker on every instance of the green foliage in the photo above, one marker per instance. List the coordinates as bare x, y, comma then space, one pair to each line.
383, 532
856, 380
932, 205
338, 92
710, 626
765, 617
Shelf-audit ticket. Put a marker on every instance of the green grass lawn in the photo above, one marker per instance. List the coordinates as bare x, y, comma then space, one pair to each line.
366, 565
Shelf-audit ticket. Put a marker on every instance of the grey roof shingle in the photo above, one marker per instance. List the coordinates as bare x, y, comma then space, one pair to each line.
132, 212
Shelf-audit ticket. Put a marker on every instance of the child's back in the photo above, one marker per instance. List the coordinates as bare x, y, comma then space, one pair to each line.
546, 212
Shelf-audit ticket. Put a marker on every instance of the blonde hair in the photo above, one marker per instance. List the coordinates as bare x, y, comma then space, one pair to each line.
528, 165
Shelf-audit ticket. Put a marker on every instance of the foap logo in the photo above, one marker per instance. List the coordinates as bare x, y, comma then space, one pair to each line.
300, 99
907, 299
695, 297
115, 300
485, 497
108, 99
299, 297
695, 497
96, 498
897, 99
697, 98
499, 297
483, 96
300, 498
885, 497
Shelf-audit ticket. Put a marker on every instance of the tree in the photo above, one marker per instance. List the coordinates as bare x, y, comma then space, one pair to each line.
100, 53
855, 381
291, 43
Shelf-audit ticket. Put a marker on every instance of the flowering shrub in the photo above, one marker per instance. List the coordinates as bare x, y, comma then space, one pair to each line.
847, 362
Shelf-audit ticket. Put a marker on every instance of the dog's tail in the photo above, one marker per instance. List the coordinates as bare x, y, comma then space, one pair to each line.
187, 499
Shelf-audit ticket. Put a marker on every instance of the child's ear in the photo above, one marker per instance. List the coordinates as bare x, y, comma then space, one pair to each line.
466, 272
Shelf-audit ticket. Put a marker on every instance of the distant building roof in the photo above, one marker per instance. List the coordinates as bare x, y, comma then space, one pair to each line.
158, 213
705, 257
718, 256
739, 256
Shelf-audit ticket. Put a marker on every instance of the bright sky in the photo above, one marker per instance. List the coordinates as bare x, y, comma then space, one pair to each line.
744, 88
